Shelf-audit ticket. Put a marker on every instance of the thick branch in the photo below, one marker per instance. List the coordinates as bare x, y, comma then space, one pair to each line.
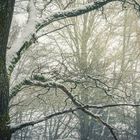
75, 102
55, 17
73, 12
14, 128
42, 82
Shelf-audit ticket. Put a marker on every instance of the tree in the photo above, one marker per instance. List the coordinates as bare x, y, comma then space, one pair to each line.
6, 13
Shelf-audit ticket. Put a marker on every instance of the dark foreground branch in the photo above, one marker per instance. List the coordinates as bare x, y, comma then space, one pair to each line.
14, 128
42, 82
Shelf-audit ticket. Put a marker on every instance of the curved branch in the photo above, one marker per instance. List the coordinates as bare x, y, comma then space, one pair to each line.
14, 128
73, 12
50, 19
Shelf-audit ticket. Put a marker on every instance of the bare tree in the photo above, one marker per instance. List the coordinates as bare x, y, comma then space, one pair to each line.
6, 13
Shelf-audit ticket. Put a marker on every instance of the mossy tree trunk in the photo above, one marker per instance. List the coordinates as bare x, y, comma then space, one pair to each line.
6, 12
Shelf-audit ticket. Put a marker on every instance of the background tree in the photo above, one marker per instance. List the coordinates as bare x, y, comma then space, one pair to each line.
29, 40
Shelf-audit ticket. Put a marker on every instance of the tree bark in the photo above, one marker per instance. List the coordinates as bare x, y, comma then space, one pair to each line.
6, 13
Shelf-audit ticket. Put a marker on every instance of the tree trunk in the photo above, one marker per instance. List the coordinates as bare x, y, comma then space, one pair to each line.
6, 12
